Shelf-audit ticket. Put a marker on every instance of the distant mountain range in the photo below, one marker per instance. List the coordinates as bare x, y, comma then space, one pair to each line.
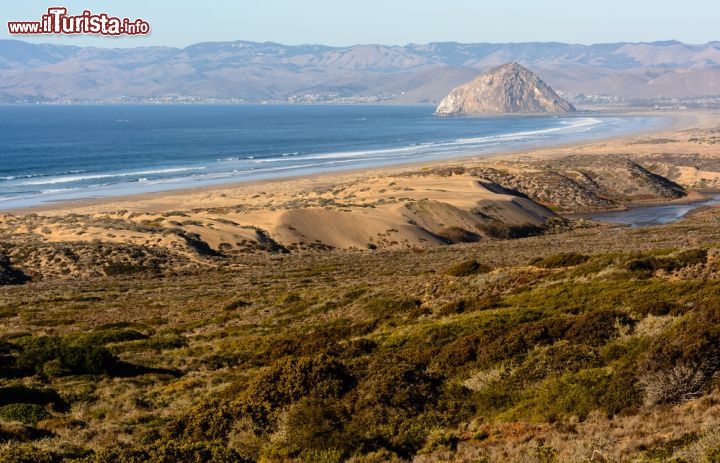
244, 71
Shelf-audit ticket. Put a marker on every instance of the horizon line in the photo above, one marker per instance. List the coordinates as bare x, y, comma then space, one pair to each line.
269, 42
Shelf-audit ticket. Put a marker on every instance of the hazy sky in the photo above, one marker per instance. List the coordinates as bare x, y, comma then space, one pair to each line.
339, 22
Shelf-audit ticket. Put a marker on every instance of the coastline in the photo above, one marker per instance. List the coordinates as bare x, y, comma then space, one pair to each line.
173, 198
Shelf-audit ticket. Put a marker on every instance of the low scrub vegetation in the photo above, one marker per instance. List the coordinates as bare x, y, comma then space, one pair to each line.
567, 259
364, 361
467, 268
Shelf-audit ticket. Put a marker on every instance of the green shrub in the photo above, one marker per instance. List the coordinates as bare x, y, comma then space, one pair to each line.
597, 327
209, 420
467, 268
55, 356
713, 455
394, 382
555, 360
171, 451
109, 336
26, 453
502, 344
462, 350
127, 268
671, 263
689, 258
383, 306
695, 339
657, 306
313, 426
577, 394
24, 413
687, 355
567, 259
546, 453
290, 380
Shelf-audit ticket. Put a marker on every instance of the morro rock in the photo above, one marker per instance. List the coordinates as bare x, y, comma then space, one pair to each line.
506, 89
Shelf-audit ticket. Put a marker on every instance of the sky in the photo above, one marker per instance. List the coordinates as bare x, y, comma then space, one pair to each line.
392, 22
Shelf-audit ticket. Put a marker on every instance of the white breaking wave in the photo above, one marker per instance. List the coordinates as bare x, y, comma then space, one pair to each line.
79, 178
424, 148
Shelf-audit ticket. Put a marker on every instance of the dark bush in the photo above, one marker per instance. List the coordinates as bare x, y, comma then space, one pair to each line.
506, 232
26, 453
577, 394
555, 360
209, 420
382, 306
501, 344
669, 264
654, 306
236, 304
109, 336
5, 347
30, 395
456, 235
597, 327
10, 275
127, 268
314, 425
395, 406
395, 382
467, 268
52, 355
567, 259
643, 264
24, 413
292, 379
458, 352
693, 343
689, 258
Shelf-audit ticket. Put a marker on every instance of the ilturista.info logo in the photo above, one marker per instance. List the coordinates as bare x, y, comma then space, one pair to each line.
58, 21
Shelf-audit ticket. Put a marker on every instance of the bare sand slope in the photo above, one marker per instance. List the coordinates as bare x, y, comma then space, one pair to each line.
383, 212
460, 204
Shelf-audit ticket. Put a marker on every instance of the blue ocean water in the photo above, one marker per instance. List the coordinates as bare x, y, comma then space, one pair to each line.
56, 153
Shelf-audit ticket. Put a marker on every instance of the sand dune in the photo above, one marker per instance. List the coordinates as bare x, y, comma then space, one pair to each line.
384, 212
379, 212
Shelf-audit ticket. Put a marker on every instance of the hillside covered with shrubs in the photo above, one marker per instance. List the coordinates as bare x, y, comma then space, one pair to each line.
535, 350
